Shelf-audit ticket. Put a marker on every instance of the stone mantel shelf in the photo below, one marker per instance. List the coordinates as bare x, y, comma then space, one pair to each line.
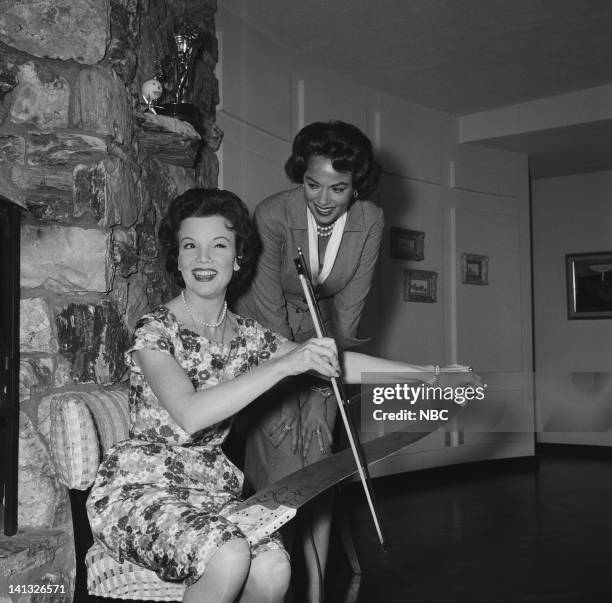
167, 138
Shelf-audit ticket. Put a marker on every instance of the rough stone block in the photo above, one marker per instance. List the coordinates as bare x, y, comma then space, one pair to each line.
50, 204
12, 148
207, 170
63, 259
35, 334
180, 178
41, 98
130, 296
93, 338
61, 376
120, 52
124, 251
119, 294
29, 179
35, 556
39, 490
51, 159
157, 285
63, 149
137, 303
147, 243
34, 373
121, 198
166, 181
16, 194
9, 67
61, 29
213, 134
205, 92
101, 104
90, 190
167, 138
108, 191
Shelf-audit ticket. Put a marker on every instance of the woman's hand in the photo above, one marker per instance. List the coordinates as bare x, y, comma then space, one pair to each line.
461, 372
457, 375
315, 422
310, 427
318, 354
287, 425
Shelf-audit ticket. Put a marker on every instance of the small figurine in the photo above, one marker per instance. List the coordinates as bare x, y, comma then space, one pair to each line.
151, 90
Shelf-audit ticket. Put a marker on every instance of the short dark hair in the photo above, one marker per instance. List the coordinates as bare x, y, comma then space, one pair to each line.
200, 203
347, 147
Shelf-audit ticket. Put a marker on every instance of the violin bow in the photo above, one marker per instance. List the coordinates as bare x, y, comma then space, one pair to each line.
338, 388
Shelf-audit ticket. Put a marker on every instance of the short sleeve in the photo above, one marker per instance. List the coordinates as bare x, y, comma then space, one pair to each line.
151, 333
264, 343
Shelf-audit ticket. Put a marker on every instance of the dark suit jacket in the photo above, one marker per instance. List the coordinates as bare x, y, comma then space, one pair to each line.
276, 299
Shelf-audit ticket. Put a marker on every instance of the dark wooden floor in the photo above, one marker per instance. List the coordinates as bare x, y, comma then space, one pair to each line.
511, 531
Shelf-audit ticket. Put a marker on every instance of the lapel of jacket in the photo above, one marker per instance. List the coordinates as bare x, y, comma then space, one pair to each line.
297, 224
352, 240
351, 245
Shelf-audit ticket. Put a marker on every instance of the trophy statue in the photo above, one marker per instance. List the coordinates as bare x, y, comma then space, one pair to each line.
188, 42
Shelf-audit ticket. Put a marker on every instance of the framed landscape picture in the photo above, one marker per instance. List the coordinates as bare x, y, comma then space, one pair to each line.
474, 269
589, 285
420, 286
407, 244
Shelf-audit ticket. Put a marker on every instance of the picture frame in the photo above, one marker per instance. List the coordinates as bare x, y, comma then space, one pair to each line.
589, 285
474, 269
420, 286
407, 244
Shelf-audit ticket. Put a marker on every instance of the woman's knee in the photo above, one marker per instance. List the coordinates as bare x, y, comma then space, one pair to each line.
233, 557
269, 575
224, 576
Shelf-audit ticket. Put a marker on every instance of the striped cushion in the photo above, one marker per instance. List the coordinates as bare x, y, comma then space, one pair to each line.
73, 442
111, 415
84, 425
108, 578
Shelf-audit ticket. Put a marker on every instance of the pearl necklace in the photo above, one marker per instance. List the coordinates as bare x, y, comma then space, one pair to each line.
198, 320
325, 231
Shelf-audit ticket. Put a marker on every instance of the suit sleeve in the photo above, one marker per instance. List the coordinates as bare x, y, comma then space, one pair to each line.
349, 303
266, 299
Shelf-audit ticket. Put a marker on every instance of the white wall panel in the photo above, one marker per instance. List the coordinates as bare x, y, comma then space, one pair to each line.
411, 140
252, 160
482, 178
256, 78
324, 100
411, 331
489, 317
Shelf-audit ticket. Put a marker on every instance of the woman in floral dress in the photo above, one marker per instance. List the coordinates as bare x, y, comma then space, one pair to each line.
161, 497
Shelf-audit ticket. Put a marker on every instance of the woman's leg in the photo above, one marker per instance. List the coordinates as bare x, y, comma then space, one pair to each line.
224, 576
268, 578
315, 528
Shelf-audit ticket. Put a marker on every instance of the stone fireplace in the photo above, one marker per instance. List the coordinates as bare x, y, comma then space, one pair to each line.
94, 173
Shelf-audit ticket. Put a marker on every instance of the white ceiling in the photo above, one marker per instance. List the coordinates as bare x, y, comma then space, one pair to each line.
460, 56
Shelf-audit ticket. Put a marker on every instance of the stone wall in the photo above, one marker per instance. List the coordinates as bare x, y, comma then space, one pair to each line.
95, 173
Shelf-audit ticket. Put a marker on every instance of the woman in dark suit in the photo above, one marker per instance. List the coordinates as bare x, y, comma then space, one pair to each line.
330, 217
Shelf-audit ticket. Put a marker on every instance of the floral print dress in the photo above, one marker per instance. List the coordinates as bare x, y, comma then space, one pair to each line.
159, 497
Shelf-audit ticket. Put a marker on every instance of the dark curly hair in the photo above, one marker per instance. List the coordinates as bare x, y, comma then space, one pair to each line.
347, 147
202, 202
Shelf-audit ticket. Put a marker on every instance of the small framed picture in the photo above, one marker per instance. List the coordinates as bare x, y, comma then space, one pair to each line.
589, 285
420, 286
407, 244
474, 269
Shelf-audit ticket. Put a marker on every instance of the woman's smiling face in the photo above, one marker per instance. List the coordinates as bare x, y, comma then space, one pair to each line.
328, 193
207, 255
